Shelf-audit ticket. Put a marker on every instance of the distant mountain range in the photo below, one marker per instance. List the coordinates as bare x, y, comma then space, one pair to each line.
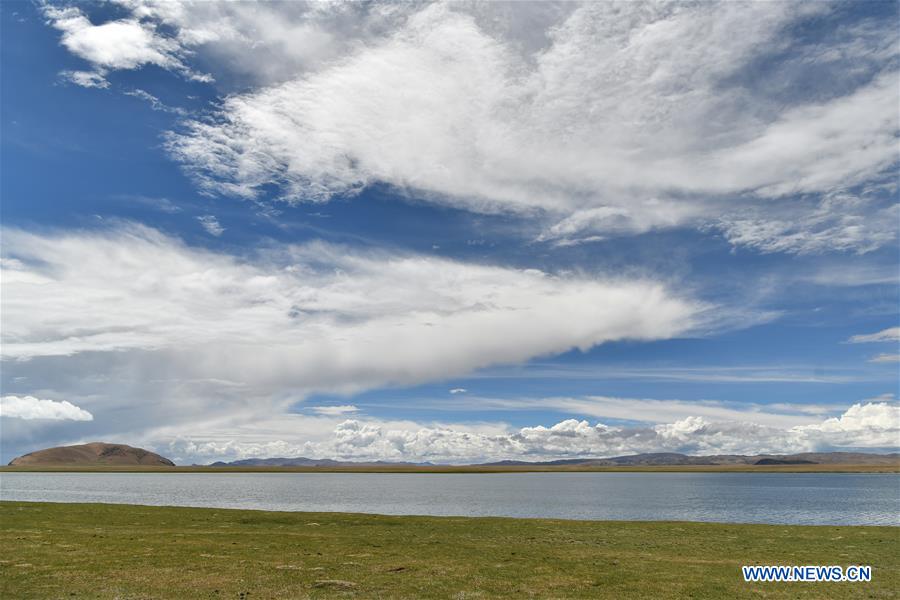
654, 459
673, 458
95, 453
100, 454
310, 462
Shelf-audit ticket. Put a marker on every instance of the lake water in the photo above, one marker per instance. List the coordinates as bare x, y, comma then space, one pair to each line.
802, 498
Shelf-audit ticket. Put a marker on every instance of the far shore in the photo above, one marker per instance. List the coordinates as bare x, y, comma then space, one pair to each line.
799, 468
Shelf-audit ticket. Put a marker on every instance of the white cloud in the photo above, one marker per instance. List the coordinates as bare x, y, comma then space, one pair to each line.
211, 224
161, 204
891, 334
885, 358
730, 374
123, 44
623, 123
878, 424
639, 409
656, 411
602, 119
267, 42
872, 425
314, 316
851, 275
458, 391
88, 79
334, 410
840, 221
155, 103
29, 408
129, 322
598, 120
119, 44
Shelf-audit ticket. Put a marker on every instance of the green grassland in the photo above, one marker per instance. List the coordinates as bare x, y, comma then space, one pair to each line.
121, 551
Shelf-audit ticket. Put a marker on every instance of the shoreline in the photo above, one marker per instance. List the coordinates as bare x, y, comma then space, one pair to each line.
427, 516
437, 469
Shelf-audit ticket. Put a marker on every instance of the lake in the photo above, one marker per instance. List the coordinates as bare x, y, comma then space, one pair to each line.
783, 498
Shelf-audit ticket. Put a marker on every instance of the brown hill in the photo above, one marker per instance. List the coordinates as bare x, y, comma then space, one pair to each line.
95, 453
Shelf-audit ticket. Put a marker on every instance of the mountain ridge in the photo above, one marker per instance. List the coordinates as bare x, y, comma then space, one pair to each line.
644, 459
106, 454
302, 461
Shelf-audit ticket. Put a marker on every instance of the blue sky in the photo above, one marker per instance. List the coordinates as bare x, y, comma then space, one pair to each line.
448, 233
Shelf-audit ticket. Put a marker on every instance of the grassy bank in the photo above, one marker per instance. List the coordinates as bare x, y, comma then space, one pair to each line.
120, 551
811, 468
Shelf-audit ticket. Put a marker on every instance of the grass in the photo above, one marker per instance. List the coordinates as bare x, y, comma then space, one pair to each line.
893, 467
120, 551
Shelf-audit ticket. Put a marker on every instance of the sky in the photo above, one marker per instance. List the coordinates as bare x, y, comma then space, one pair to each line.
450, 232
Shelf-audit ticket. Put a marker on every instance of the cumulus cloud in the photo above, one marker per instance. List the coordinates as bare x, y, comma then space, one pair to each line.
314, 315
891, 334
877, 423
458, 391
30, 408
869, 425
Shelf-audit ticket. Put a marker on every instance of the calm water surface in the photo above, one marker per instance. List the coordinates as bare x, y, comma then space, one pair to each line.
802, 498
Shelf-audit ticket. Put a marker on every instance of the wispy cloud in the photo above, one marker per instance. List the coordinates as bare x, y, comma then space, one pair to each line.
161, 204
885, 358
891, 334
334, 410
839, 275
156, 103
634, 409
88, 79
211, 224
700, 374
310, 318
